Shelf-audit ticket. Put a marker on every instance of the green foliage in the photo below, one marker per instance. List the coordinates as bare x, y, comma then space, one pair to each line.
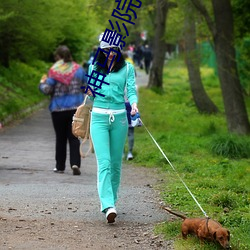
144, 22
103, 10
19, 87
241, 17
175, 25
231, 146
210, 129
41, 30
243, 59
170, 230
219, 183
224, 200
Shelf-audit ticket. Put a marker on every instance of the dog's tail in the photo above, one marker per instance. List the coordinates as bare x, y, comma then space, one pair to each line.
175, 213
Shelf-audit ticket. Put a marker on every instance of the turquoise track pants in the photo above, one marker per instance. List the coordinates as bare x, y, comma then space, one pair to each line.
108, 136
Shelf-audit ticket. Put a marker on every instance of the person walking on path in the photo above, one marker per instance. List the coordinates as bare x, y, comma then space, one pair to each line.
147, 54
131, 129
63, 83
109, 125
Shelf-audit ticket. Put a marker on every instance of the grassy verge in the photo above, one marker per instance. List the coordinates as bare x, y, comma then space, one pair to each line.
212, 163
19, 88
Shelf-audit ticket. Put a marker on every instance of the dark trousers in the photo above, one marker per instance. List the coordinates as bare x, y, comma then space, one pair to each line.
130, 129
147, 65
131, 139
62, 122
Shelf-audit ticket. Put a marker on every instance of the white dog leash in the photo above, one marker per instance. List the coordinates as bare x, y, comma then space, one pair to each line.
174, 170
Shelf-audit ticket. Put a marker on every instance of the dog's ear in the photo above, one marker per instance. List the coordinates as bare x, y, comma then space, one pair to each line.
214, 235
228, 237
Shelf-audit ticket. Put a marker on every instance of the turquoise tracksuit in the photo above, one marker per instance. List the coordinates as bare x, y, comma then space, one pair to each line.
109, 129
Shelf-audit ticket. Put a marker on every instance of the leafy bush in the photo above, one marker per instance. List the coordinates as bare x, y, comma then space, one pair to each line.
19, 87
210, 129
231, 146
243, 64
223, 200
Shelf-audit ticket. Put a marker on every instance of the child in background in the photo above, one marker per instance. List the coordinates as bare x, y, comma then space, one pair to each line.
128, 108
130, 133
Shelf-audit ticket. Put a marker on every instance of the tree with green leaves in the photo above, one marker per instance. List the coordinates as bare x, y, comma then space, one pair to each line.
221, 27
159, 44
242, 33
28, 33
202, 101
175, 32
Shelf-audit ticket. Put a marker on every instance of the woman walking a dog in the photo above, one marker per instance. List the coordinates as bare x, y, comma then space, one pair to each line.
109, 123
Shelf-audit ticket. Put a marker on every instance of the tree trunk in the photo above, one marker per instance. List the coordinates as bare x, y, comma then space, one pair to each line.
201, 99
159, 47
235, 109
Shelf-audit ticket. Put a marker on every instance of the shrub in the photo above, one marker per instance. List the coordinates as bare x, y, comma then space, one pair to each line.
231, 146
223, 200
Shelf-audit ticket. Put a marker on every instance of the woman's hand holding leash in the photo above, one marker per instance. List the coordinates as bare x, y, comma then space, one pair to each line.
89, 92
134, 109
135, 116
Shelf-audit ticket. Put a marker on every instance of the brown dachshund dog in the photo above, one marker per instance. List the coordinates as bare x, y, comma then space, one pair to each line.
204, 229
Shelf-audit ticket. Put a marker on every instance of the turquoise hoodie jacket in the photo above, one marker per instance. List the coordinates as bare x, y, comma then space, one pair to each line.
112, 96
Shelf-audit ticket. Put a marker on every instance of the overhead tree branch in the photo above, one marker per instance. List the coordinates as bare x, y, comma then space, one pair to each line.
202, 9
172, 5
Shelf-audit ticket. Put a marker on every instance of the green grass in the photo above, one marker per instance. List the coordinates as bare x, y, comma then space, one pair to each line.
19, 87
214, 164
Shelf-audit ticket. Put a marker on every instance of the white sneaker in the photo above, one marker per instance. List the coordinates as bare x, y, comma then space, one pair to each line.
111, 214
130, 156
58, 171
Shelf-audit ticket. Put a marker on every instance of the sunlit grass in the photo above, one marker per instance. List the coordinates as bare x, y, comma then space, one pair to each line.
219, 182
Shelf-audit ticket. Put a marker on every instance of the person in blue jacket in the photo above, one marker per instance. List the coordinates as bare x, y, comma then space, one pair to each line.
109, 123
63, 83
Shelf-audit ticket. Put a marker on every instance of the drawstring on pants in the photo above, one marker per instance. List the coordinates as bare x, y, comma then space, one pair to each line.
109, 112
111, 117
